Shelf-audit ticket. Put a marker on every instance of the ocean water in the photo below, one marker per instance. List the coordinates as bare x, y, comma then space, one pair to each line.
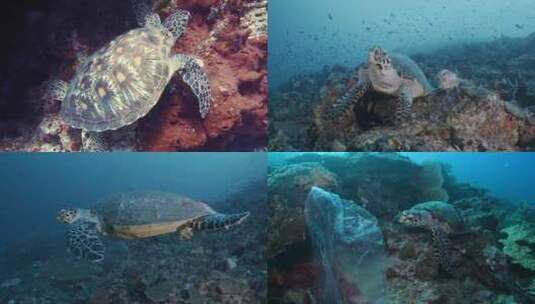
306, 35
346, 228
36, 186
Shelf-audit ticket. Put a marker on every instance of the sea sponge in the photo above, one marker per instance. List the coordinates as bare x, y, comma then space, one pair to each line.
519, 245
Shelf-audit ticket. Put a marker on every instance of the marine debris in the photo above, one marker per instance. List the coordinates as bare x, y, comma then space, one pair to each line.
469, 248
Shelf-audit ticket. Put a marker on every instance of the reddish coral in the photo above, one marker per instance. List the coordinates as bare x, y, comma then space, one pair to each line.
236, 67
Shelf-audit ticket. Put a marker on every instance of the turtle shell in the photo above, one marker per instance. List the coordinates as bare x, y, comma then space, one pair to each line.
407, 68
139, 208
119, 83
442, 211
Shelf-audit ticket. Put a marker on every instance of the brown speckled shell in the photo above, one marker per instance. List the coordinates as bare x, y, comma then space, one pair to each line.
139, 208
119, 83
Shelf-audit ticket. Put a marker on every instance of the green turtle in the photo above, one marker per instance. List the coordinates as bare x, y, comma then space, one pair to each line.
392, 74
442, 219
122, 81
139, 215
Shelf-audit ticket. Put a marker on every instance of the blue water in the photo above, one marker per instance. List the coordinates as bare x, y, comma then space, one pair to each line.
509, 176
305, 35
35, 186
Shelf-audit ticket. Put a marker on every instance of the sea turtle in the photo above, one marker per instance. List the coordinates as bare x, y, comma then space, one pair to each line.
392, 74
139, 215
123, 80
442, 219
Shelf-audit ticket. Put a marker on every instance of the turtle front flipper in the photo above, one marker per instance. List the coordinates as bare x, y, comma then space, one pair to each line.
404, 104
143, 11
441, 248
344, 103
211, 222
193, 75
83, 241
94, 142
177, 22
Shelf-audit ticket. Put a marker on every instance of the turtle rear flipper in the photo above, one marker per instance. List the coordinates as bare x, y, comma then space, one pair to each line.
84, 242
211, 222
55, 90
94, 142
441, 247
193, 75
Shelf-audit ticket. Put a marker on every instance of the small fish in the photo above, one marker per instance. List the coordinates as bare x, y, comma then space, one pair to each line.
519, 26
330, 16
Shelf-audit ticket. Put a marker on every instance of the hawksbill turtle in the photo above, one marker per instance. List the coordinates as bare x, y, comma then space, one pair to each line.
392, 74
122, 81
139, 215
442, 219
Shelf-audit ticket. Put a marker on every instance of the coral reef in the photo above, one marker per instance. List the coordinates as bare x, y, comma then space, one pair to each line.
519, 245
230, 38
212, 268
482, 270
489, 108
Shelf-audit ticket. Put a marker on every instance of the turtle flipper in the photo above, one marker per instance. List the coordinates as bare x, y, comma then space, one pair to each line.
211, 222
441, 248
351, 97
143, 12
94, 142
404, 104
193, 74
177, 22
84, 242
56, 90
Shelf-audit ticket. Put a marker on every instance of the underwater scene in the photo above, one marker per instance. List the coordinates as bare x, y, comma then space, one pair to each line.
133, 228
388, 75
133, 75
401, 228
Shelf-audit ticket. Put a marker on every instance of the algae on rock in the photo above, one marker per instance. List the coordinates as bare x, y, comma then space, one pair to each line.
520, 244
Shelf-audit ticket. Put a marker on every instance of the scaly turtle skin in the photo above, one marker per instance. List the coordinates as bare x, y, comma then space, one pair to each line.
442, 219
392, 74
139, 215
122, 81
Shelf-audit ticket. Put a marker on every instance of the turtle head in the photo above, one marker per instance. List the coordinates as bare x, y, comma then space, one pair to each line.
379, 58
415, 218
68, 216
383, 75
448, 79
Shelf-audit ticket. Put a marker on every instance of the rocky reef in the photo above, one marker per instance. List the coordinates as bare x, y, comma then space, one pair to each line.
228, 36
214, 267
491, 256
488, 106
